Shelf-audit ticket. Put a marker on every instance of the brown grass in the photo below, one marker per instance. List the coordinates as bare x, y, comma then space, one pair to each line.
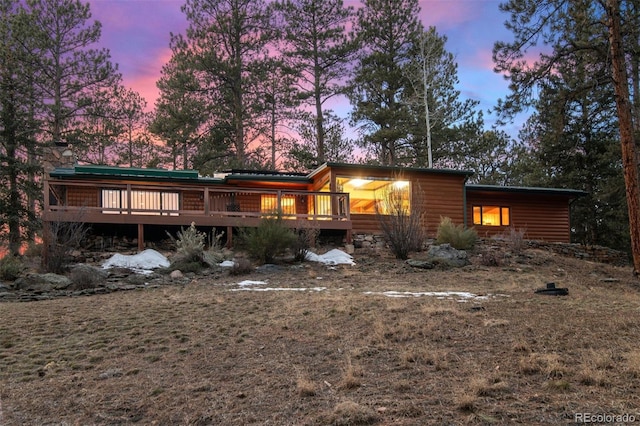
202, 354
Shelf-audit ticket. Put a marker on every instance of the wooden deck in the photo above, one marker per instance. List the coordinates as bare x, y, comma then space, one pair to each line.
170, 204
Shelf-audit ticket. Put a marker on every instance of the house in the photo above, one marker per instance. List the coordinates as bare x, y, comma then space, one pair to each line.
334, 197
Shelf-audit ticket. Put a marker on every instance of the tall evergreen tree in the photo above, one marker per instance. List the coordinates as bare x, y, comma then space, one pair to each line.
586, 39
17, 125
72, 74
180, 112
224, 49
387, 31
317, 45
338, 148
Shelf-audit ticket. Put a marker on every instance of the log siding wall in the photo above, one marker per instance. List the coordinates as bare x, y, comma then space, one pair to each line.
542, 217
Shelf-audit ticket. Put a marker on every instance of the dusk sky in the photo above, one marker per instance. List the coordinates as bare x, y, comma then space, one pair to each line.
137, 33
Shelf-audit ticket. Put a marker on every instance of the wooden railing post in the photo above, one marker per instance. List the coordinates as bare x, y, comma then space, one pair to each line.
128, 199
279, 202
206, 201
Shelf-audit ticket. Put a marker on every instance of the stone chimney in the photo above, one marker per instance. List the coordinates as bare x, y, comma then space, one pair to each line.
58, 156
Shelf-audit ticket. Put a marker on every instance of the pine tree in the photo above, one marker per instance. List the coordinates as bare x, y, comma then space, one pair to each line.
387, 31
17, 126
317, 46
72, 74
571, 29
224, 50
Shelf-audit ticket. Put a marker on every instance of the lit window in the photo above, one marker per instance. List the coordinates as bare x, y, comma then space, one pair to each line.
115, 201
491, 215
269, 204
371, 196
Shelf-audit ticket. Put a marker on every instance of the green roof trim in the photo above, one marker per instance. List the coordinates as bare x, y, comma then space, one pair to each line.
125, 172
527, 190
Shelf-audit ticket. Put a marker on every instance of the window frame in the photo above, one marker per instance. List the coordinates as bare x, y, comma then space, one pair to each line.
378, 194
120, 201
501, 214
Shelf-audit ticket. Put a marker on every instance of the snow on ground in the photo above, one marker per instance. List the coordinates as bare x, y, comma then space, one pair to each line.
248, 285
332, 257
461, 296
142, 262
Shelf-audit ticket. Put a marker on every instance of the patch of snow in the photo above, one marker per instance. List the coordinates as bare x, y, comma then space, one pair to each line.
463, 296
227, 264
332, 257
248, 283
279, 289
142, 262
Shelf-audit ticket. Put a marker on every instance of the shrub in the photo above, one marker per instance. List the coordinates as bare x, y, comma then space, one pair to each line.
10, 267
400, 225
63, 238
491, 257
457, 236
216, 252
269, 239
307, 236
515, 239
189, 245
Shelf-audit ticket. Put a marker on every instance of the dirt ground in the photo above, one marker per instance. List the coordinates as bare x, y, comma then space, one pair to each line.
322, 345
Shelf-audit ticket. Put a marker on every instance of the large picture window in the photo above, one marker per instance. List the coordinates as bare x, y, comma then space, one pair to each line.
371, 195
115, 201
491, 216
269, 204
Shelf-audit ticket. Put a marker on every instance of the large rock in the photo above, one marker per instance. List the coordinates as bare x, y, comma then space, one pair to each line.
42, 282
422, 264
446, 255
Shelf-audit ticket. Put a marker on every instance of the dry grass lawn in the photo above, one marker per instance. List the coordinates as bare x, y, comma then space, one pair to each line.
203, 354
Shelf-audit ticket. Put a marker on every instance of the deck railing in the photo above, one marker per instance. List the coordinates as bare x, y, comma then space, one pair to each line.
135, 203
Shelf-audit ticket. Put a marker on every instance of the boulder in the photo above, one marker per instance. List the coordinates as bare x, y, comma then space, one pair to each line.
42, 282
446, 255
176, 275
422, 264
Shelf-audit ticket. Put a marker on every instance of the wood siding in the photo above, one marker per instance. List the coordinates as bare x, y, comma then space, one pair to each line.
83, 196
435, 194
542, 217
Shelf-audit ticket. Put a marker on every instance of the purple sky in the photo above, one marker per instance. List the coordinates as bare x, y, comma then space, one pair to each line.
137, 33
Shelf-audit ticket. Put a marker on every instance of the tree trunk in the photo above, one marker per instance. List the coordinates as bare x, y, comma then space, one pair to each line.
623, 105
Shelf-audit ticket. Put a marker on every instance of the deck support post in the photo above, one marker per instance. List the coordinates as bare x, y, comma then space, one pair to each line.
229, 236
140, 237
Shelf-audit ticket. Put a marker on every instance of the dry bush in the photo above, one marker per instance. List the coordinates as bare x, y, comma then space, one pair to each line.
550, 365
456, 236
307, 233
401, 225
189, 245
349, 413
515, 239
63, 238
466, 402
489, 387
305, 386
491, 257
351, 376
